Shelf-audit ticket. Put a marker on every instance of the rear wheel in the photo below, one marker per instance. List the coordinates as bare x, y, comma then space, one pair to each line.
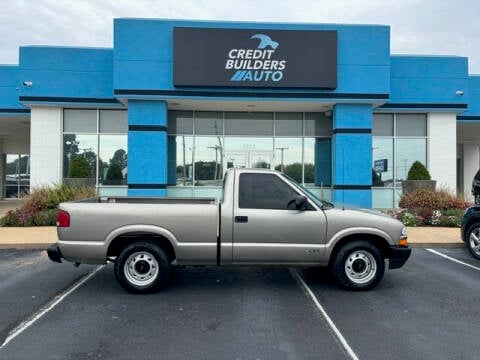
358, 265
473, 240
142, 267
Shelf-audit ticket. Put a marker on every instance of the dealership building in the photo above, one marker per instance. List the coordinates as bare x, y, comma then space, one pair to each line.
175, 103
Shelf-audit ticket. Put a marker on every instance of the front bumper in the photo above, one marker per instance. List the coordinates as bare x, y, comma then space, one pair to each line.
54, 253
398, 256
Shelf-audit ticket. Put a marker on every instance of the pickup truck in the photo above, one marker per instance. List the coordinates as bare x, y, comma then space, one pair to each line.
263, 219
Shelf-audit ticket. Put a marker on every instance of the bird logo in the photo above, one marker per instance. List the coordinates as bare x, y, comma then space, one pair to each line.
265, 41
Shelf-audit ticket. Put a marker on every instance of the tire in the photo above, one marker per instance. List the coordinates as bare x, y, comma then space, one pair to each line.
358, 265
472, 240
142, 268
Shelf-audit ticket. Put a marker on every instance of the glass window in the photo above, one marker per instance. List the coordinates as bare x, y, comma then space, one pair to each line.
80, 156
407, 152
382, 149
382, 125
113, 121
288, 124
309, 161
253, 123
184, 169
264, 191
208, 123
411, 125
180, 122
112, 162
288, 157
208, 161
318, 124
84, 121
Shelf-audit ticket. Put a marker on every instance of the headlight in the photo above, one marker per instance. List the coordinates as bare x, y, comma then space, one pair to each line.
404, 231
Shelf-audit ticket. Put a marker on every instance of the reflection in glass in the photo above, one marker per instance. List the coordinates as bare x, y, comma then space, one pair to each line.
209, 123
249, 152
407, 152
17, 175
184, 160
208, 161
318, 124
112, 162
382, 149
80, 146
309, 161
180, 122
253, 123
288, 157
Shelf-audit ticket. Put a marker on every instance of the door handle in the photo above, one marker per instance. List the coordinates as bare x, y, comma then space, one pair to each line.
241, 219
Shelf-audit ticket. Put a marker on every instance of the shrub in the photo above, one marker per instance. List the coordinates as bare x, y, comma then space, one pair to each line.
418, 172
431, 207
39, 208
80, 168
432, 199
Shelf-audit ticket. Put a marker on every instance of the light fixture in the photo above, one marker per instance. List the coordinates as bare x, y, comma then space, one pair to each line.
328, 113
28, 83
250, 105
459, 92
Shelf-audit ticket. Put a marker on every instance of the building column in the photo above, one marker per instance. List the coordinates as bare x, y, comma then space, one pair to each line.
147, 148
442, 149
45, 146
352, 154
471, 162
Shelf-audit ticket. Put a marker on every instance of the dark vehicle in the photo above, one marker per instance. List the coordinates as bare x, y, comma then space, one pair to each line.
471, 230
476, 187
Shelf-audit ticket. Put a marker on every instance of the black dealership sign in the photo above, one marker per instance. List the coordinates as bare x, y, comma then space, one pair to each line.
255, 58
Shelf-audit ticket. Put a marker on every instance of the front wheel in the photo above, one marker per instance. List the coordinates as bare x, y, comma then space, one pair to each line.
358, 265
473, 240
142, 267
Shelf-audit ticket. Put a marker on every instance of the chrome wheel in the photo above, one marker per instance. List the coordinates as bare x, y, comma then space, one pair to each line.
360, 267
141, 268
474, 241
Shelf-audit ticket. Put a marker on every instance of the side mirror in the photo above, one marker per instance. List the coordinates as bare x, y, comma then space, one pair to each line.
301, 203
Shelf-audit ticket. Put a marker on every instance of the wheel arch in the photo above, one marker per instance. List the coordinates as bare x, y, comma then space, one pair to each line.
375, 239
124, 236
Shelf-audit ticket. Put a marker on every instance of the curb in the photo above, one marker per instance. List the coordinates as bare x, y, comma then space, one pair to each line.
24, 246
437, 245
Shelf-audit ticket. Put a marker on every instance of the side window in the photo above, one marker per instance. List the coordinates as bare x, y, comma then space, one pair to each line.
264, 191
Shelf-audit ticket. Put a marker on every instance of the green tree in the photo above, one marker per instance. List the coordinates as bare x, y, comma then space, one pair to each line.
80, 168
114, 175
119, 158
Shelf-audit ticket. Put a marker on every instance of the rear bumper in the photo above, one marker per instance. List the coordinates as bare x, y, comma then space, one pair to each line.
398, 256
54, 253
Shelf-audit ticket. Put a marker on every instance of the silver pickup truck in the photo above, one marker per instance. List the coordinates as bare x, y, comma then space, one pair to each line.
264, 218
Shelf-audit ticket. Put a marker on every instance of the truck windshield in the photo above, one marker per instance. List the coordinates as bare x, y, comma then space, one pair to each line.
320, 202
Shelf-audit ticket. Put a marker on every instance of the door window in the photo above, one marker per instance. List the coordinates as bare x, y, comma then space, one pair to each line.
264, 191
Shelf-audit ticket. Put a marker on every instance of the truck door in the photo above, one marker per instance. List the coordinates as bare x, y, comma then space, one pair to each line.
265, 231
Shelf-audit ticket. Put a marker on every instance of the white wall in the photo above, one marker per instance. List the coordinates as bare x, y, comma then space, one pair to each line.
471, 162
45, 146
442, 149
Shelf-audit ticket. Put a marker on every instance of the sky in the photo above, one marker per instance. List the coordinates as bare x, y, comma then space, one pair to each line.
438, 27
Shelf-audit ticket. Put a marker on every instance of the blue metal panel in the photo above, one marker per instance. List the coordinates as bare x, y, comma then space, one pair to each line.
350, 116
473, 97
67, 72
144, 50
352, 159
428, 79
352, 154
147, 113
147, 157
361, 198
9, 82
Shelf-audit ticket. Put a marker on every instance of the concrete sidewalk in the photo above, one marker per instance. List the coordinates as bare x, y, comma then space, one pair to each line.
42, 236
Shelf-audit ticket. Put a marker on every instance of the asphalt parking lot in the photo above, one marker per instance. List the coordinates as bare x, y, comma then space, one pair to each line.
426, 310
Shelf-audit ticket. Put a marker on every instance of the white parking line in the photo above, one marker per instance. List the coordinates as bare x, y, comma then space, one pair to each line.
452, 259
57, 300
330, 322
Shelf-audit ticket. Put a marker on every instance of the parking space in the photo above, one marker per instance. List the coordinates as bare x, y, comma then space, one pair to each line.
428, 310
